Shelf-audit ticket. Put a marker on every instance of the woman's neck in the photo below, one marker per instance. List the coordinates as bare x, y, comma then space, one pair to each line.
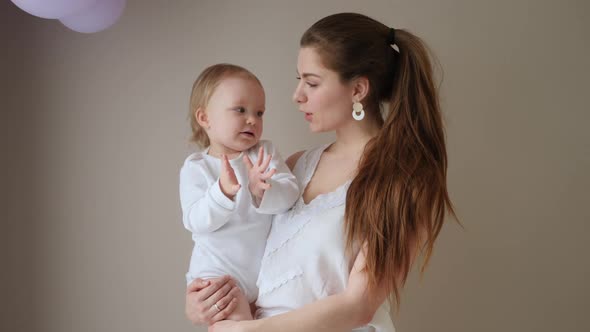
352, 138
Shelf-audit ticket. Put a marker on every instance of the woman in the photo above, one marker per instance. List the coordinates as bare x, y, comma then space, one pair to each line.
372, 199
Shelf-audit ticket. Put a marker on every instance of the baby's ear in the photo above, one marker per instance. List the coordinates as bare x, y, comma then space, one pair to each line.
201, 117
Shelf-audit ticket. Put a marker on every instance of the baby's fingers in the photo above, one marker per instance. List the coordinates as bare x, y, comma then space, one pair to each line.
269, 174
228, 170
226, 165
264, 166
235, 188
248, 162
260, 156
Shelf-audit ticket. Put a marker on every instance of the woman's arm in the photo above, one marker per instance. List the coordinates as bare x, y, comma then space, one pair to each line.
352, 308
340, 312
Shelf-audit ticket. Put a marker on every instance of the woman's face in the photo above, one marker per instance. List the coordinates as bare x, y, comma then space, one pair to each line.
325, 101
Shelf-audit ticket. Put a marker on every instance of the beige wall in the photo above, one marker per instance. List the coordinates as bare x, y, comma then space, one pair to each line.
94, 132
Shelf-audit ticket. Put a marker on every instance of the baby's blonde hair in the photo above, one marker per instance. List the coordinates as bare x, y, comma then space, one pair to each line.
203, 89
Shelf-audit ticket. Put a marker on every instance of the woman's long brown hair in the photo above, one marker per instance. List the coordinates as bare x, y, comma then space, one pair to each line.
397, 203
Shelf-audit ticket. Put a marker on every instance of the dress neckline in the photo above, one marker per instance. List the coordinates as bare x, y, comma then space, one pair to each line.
311, 165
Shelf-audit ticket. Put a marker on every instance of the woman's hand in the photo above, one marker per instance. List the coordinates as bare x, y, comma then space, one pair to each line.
205, 297
257, 174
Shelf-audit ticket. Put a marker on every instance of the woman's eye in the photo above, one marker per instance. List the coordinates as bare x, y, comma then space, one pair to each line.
312, 84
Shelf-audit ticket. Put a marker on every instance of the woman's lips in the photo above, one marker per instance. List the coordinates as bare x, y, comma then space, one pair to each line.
308, 116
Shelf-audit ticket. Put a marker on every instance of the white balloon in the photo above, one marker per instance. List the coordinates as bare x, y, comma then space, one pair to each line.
100, 16
53, 8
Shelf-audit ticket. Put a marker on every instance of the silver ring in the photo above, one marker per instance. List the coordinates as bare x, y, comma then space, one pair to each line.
217, 307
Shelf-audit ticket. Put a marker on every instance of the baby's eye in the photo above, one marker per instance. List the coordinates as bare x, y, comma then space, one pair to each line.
260, 114
240, 110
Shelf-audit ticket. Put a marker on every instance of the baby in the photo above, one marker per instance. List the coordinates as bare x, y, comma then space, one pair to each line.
230, 190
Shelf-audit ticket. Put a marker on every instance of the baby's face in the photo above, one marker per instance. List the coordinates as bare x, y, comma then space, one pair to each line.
235, 112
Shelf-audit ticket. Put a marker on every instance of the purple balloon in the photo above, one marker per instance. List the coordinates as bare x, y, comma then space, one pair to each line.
100, 16
53, 8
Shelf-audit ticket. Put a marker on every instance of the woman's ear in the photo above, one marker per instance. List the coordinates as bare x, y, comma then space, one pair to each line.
360, 88
201, 117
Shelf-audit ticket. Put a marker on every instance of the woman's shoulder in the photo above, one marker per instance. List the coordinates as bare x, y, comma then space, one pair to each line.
310, 153
292, 159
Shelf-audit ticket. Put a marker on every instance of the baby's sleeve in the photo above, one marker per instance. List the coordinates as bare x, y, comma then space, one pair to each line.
204, 206
284, 189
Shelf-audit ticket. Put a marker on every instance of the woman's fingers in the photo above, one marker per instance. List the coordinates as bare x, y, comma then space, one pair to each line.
214, 286
215, 297
225, 300
224, 307
226, 311
196, 285
203, 294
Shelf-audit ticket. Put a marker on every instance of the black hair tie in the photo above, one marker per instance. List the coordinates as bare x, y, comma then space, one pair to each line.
391, 37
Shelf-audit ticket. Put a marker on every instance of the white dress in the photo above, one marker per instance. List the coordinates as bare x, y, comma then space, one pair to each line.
304, 259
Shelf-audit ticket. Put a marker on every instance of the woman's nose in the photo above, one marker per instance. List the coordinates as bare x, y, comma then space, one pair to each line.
297, 95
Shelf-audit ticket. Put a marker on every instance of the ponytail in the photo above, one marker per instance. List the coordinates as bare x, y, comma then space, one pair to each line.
398, 201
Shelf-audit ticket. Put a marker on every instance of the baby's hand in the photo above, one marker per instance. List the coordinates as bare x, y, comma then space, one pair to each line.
257, 174
227, 179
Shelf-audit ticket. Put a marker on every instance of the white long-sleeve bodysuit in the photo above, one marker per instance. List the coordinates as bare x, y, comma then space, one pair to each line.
230, 235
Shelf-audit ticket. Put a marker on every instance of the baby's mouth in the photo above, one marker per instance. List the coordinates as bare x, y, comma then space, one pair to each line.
247, 133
